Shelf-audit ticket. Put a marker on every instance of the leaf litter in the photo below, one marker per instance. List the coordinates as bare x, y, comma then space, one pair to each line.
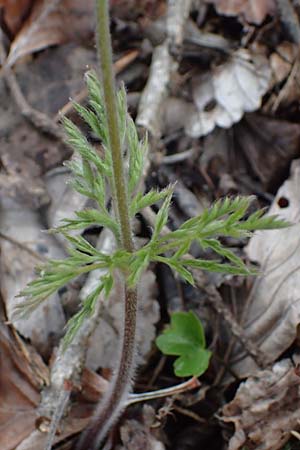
272, 311
236, 89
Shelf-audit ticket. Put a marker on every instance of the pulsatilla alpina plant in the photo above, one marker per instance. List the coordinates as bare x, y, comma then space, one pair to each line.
92, 177
116, 172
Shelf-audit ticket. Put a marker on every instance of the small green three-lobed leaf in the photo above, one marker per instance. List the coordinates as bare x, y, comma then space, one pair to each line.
185, 338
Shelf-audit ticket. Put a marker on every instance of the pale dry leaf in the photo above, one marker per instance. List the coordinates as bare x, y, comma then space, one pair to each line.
222, 96
272, 313
45, 325
52, 23
269, 145
265, 408
253, 11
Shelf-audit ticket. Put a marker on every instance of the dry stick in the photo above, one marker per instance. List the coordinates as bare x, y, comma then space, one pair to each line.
162, 67
114, 402
40, 120
23, 247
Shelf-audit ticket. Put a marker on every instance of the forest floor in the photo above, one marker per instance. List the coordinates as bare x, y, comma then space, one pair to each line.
216, 84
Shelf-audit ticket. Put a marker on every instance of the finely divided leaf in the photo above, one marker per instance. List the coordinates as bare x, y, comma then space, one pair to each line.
137, 151
89, 217
141, 201
185, 338
162, 215
86, 311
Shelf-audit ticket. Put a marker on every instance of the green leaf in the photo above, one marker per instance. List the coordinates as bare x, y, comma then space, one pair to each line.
180, 269
108, 282
185, 338
258, 222
216, 266
140, 262
86, 311
163, 214
141, 201
195, 363
122, 112
91, 118
218, 248
79, 142
137, 151
89, 217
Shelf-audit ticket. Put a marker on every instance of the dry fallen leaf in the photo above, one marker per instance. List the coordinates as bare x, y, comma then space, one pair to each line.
51, 23
265, 409
19, 390
222, 96
269, 145
14, 12
45, 325
272, 312
254, 11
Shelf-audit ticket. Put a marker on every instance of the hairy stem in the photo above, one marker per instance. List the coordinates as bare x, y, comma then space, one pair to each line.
117, 396
115, 400
106, 66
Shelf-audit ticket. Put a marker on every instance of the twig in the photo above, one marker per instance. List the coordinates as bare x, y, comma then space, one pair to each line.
191, 414
23, 247
178, 157
56, 418
160, 393
162, 67
40, 120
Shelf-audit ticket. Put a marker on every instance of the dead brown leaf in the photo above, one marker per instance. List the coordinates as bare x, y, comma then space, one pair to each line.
265, 409
272, 312
52, 23
14, 12
269, 145
45, 325
254, 11
19, 390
